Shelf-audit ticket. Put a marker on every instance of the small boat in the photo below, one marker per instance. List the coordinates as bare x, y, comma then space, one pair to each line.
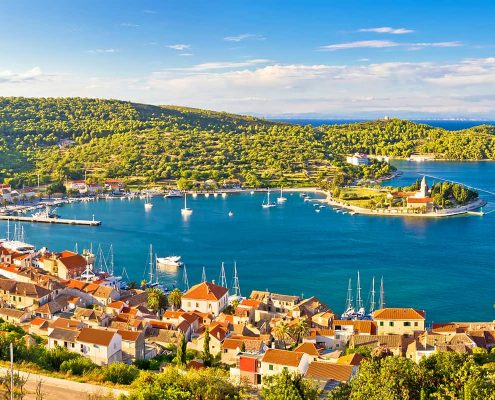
307, 199
170, 261
251, 192
148, 205
344, 212
231, 213
315, 205
267, 203
194, 195
317, 210
338, 210
352, 212
186, 211
322, 206
215, 194
281, 199
207, 195
303, 194
224, 195
173, 194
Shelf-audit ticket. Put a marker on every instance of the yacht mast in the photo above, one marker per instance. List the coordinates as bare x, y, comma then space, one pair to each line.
110, 255
151, 263
185, 281
223, 279
203, 275
76, 249
8, 230
382, 295
236, 287
372, 303
348, 303
359, 301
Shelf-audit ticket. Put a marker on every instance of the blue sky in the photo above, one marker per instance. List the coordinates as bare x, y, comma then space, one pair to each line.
267, 57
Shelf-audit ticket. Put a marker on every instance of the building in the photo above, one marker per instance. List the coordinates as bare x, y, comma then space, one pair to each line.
399, 321
328, 375
133, 344
358, 159
274, 361
23, 295
102, 347
206, 297
66, 265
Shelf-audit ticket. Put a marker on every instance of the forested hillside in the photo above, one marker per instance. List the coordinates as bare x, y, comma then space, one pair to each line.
60, 138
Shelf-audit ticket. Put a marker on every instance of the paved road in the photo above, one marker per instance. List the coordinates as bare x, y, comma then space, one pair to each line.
58, 389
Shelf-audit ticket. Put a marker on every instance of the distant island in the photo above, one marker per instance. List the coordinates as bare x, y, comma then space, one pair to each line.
54, 140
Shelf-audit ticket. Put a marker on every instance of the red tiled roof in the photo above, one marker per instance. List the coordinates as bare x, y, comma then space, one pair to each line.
95, 336
282, 357
325, 371
399, 313
308, 348
419, 200
205, 291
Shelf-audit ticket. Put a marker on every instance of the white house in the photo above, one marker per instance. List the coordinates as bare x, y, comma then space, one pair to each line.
358, 159
274, 361
100, 346
206, 297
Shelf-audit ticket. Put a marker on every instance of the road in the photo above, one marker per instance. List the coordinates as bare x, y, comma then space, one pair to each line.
58, 389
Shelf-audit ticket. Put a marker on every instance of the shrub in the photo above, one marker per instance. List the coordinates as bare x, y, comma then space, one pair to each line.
77, 366
52, 359
120, 373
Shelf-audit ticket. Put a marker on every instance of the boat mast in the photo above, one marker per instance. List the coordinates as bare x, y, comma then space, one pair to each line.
382, 295
110, 255
348, 303
203, 275
359, 302
372, 304
8, 230
236, 287
223, 279
76, 248
185, 281
151, 263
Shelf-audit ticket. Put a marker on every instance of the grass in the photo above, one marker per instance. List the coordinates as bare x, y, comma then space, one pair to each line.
361, 196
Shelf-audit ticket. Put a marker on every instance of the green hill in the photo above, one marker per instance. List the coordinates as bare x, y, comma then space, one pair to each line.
62, 138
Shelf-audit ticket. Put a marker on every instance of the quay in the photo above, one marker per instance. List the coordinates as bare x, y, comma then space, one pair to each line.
44, 220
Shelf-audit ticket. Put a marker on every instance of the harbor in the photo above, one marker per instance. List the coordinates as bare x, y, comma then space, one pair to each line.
48, 220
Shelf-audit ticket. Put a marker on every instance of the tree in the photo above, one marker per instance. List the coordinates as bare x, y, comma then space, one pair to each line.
181, 351
288, 386
207, 357
157, 300
243, 346
300, 329
175, 298
281, 332
144, 284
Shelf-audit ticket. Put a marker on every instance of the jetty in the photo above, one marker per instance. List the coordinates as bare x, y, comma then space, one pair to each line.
46, 220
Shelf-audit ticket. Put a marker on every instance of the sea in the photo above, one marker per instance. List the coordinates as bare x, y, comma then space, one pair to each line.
444, 266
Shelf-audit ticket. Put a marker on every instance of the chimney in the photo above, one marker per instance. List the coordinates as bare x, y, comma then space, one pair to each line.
213, 281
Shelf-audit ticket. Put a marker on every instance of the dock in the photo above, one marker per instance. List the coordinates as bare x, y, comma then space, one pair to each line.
44, 220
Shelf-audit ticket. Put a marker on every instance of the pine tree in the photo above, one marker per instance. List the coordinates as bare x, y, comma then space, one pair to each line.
207, 358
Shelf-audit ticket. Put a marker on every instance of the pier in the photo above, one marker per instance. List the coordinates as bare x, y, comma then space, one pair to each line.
44, 220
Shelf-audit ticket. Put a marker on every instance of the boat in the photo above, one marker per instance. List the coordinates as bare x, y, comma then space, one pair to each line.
251, 192
194, 195
186, 211
47, 212
317, 210
215, 194
231, 213
173, 194
148, 205
322, 206
224, 195
352, 212
307, 198
267, 203
170, 261
281, 199
207, 195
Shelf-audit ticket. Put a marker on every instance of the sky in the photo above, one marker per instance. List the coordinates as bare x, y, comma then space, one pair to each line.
273, 58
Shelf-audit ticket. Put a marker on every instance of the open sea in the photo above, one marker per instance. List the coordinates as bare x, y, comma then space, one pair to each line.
445, 266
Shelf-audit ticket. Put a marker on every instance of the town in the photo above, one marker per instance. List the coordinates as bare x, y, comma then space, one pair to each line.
60, 299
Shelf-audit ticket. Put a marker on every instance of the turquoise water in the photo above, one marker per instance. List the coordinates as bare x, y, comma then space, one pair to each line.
445, 266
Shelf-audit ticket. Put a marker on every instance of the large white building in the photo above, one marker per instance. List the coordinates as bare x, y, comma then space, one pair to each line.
206, 297
274, 361
358, 159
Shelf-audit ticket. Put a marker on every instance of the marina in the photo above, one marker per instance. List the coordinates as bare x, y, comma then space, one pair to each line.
48, 220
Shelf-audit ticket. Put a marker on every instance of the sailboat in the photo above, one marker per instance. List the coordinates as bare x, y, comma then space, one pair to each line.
281, 199
186, 211
349, 307
153, 273
359, 302
268, 204
148, 205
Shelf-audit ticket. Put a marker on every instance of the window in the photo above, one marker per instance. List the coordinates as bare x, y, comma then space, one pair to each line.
416, 323
197, 305
381, 323
407, 323
391, 323
270, 367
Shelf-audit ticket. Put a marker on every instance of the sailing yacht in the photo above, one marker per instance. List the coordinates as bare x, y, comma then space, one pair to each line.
281, 199
148, 205
349, 307
268, 204
186, 211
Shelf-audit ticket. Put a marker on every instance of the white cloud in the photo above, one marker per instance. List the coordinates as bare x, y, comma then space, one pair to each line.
102, 51
379, 44
376, 44
463, 88
387, 29
129, 25
243, 36
185, 54
179, 46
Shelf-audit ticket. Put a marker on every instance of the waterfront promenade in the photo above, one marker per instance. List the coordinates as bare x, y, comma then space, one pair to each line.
44, 220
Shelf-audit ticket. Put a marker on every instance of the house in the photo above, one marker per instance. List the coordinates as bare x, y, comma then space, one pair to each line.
91, 317
274, 361
101, 346
247, 369
358, 159
79, 186
23, 295
310, 349
133, 344
217, 333
14, 316
116, 186
395, 343
323, 320
66, 265
206, 297
232, 184
308, 308
399, 321
325, 338
273, 302
231, 347
328, 375
38, 326
63, 338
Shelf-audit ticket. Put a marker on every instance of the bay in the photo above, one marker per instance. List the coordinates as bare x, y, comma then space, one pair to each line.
445, 266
